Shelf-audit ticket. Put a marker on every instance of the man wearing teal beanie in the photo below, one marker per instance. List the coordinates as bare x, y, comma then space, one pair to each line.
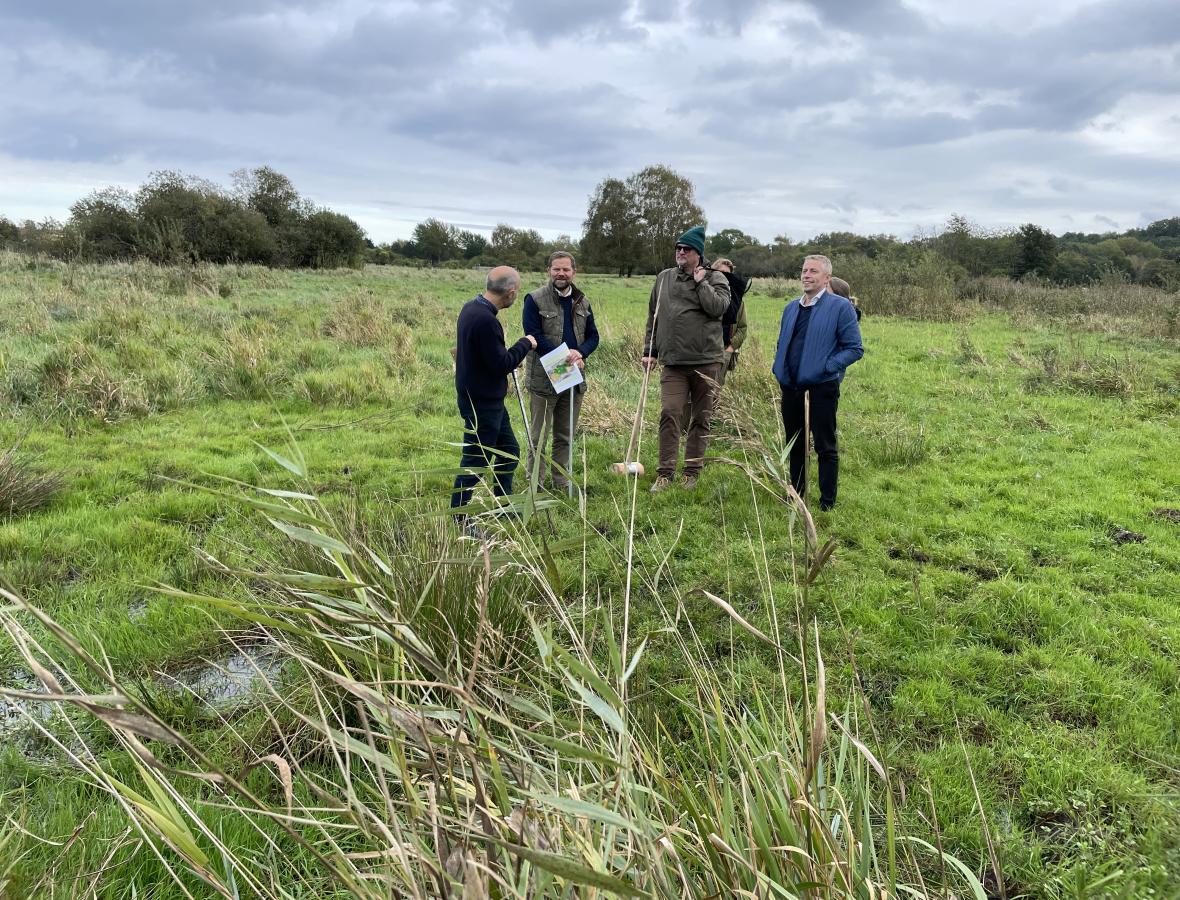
684, 334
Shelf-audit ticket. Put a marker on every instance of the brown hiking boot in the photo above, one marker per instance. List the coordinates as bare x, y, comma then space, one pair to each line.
688, 481
661, 484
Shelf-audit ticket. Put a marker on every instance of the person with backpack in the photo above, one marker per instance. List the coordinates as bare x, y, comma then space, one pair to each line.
733, 323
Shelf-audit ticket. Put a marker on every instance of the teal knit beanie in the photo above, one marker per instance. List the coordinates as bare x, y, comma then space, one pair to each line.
695, 238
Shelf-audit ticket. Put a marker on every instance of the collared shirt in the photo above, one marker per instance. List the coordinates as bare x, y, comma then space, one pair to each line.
803, 301
488, 303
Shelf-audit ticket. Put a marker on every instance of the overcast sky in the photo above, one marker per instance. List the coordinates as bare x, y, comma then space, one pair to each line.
790, 118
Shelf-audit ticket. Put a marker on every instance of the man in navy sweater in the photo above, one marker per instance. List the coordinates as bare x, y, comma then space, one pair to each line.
482, 366
817, 340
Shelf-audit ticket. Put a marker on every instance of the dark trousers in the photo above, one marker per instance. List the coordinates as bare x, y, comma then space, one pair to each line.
488, 444
687, 395
824, 399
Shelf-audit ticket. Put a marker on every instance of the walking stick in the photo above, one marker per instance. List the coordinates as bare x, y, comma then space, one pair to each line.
524, 417
806, 440
570, 468
528, 432
630, 465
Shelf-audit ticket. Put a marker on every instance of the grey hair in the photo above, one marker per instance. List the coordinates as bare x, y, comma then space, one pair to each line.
826, 263
502, 285
562, 254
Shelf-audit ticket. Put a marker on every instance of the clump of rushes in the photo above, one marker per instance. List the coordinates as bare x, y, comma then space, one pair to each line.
514, 761
23, 487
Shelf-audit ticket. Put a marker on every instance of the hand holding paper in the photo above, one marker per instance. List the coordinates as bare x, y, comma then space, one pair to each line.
563, 372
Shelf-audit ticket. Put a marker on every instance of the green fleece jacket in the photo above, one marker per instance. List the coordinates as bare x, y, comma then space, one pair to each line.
683, 318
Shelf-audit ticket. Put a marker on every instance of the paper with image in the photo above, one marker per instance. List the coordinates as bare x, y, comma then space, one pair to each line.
562, 373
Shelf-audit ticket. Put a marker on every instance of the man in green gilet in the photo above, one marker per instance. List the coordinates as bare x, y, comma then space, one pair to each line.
554, 313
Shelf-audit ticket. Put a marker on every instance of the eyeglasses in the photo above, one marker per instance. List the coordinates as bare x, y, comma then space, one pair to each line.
680, 248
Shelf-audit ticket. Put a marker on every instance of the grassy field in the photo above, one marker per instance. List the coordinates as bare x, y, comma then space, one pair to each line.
999, 616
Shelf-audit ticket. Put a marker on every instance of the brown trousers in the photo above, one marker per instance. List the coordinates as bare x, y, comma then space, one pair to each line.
687, 396
547, 414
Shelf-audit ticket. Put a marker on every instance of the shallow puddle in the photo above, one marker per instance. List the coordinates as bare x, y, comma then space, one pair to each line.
18, 717
232, 679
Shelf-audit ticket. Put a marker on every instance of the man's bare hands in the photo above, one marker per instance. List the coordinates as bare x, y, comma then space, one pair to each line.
648, 361
699, 273
576, 358
532, 340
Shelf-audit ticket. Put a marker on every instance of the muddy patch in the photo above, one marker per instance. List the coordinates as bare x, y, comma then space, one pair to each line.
1121, 535
918, 556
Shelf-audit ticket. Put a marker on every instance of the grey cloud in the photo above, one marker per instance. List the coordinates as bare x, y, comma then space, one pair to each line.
1056, 78
555, 22
521, 125
657, 11
133, 25
729, 17
845, 206
881, 18
756, 102
1125, 25
249, 58
888, 130
93, 139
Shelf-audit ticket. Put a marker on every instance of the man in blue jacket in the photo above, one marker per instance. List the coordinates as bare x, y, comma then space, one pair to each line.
817, 340
482, 366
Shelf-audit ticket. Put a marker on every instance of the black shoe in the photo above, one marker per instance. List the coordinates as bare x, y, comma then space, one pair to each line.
824, 506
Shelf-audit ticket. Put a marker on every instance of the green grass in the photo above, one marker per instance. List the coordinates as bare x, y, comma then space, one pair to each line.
976, 596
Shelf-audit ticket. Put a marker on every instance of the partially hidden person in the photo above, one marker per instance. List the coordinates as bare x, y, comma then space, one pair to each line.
733, 323
844, 289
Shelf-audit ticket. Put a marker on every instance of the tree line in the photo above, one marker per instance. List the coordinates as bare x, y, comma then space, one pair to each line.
632, 223
175, 218
630, 228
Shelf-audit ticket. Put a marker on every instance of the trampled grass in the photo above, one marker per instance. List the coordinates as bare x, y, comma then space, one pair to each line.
976, 598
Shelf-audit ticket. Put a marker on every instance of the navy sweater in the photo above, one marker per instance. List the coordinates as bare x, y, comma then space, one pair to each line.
482, 362
798, 339
831, 344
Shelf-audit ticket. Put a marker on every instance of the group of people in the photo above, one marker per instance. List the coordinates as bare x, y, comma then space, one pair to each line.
696, 323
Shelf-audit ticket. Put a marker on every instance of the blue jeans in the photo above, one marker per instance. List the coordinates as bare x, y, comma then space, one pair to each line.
488, 444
